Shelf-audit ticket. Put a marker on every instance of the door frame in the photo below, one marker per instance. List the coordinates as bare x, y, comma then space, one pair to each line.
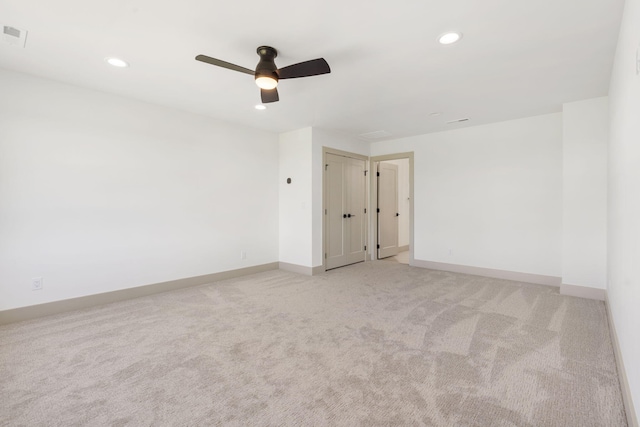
328, 150
373, 191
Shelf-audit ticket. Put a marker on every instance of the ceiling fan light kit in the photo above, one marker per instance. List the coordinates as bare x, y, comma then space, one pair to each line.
266, 82
267, 74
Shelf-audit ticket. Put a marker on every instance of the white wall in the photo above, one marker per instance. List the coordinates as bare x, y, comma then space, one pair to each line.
584, 193
404, 204
296, 204
491, 194
99, 193
624, 196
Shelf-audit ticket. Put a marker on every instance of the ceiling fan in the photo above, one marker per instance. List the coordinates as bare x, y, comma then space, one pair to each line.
267, 74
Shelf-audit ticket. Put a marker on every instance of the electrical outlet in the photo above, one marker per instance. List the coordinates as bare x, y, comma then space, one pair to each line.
36, 284
243, 255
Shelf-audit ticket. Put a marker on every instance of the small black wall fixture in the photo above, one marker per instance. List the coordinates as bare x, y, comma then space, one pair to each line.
288, 180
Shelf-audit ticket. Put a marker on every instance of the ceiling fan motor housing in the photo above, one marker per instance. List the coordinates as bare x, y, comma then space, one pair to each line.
267, 67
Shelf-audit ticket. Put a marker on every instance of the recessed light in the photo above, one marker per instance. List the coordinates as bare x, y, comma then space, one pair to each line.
260, 107
117, 62
449, 38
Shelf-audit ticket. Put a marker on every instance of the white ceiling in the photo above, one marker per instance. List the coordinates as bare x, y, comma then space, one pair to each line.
518, 58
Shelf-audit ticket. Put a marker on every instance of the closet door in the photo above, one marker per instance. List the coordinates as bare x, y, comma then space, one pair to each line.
335, 217
355, 202
345, 217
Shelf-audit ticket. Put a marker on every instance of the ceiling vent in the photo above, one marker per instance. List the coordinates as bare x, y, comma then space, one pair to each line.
457, 121
13, 36
375, 135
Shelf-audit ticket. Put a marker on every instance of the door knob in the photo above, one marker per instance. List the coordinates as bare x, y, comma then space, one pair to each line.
348, 215
397, 214
344, 216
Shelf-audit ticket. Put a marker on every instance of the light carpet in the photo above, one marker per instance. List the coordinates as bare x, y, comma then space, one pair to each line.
374, 344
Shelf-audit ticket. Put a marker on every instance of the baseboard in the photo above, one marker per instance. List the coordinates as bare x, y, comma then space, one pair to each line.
301, 269
57, 307
632, 419
583, 292
489, 272
403, 248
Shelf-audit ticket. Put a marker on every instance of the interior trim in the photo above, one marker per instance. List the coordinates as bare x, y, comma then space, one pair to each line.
489, 272
583, 292
632, 419
56, 307
343, 154
301, 269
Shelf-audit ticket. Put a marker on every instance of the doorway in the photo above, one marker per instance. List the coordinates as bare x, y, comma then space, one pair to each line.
387, 209
391, 186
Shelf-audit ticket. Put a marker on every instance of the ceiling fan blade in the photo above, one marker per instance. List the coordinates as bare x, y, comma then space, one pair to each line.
270, 95
224, 64
313, 67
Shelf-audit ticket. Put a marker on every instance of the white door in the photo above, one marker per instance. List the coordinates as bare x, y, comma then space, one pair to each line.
355, 202
335, 223
387, 210
345, 216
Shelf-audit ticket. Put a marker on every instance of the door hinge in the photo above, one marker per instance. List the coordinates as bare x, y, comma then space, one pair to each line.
377, 173
365, 248
378, 210
325, 255
325, 211
365, 211
365, 173
378, 246
326, 166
